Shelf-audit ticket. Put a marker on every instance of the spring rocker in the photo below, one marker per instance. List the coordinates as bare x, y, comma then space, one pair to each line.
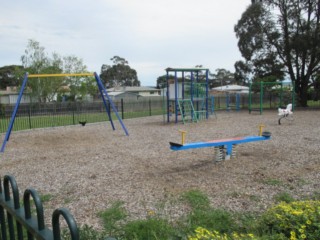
224, 148
285, 113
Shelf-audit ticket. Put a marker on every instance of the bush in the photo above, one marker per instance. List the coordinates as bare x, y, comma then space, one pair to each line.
296, 220
202, 234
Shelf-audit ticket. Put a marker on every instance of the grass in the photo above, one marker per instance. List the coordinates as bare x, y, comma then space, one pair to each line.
272, 182
284, 220
44, 121
283, 197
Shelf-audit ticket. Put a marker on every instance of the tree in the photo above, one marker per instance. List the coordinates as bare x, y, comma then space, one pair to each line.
119, 74
79, 86
37, 61
8, 76
279, 38
162, 81
242, 71
221, 77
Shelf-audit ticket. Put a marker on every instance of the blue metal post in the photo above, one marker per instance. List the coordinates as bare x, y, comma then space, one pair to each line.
100, 86
191, 95
105, 94
212, 104
197, 91
168, 99
207, 94
228, 101
238, 102
183, 85
13, 117
191, 87
176, 95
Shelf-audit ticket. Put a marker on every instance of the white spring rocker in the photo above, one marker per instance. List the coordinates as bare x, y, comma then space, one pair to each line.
285, 113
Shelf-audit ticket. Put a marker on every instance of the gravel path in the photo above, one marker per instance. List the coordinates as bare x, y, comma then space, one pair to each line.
87, 168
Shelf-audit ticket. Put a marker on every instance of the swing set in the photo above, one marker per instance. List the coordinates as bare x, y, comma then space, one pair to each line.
103, 93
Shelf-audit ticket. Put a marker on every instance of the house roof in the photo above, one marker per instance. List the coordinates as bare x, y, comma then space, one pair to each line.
114, 94
132, 89
234, 88
185, 69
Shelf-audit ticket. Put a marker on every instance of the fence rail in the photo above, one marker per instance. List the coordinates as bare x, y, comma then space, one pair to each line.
17, 222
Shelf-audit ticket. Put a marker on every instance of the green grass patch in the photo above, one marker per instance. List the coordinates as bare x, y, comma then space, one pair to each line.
283, 197
272, 182
56, 120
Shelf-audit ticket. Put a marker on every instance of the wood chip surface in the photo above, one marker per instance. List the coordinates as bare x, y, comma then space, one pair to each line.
87, 168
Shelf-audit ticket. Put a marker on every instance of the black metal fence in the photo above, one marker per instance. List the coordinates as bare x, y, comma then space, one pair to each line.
39, 115
18, 222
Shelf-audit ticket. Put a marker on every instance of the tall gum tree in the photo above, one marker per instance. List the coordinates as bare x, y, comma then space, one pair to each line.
119, 74
282, 37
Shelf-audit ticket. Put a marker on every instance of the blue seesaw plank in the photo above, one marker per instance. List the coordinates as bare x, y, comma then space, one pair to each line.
215, 143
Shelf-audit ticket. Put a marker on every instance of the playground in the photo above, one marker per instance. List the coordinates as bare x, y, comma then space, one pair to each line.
86, 168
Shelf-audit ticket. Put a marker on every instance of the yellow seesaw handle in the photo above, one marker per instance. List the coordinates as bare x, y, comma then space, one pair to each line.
183, 136
261, 129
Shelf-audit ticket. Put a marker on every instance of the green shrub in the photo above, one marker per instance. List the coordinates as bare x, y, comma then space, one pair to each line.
296, 220
203, 234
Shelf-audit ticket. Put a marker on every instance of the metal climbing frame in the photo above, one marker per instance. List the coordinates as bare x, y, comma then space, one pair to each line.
183, 89
187, 111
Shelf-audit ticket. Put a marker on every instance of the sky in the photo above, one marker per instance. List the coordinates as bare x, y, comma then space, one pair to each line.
150, 34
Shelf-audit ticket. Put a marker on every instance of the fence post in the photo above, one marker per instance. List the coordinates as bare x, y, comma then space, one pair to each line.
29, 113
150, 114
73, 108
122, 107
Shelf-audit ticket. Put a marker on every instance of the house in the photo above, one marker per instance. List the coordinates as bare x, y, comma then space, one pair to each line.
132, 92
11, 94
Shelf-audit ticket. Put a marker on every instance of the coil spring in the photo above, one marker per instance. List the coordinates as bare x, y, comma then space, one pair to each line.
234, 150
219, 153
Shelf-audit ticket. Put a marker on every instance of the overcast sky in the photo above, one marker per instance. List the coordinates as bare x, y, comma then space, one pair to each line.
150, 34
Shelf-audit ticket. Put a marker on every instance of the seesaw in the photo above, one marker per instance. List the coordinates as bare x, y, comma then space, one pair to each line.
224, 147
